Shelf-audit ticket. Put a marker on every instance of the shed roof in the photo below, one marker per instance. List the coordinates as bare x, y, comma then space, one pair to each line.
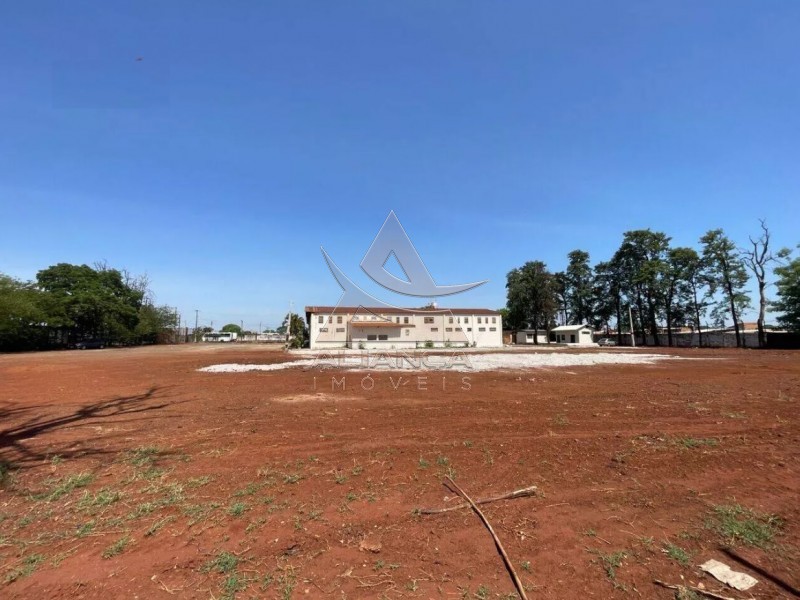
571, 328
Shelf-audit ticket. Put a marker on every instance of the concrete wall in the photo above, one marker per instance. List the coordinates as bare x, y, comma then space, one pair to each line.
714, 339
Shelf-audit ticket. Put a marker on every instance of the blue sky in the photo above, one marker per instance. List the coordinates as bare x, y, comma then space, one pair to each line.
252, 133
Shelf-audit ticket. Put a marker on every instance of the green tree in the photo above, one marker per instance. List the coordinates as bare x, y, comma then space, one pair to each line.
681, 274
298, 332
578, 288
531, 294
788, 303
725, 271
155, 324
86, 302
21, 315
231, 328
608, 296
640, 262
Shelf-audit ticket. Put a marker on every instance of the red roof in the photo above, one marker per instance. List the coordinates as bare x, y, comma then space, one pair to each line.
389, 310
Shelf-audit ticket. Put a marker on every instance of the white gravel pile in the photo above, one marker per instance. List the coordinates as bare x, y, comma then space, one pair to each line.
498, 361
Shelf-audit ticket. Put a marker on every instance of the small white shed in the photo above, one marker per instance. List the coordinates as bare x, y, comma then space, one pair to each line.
531, 336
573, 334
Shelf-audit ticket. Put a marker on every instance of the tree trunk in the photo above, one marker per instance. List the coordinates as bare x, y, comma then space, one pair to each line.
697, 318
762, 309
640, 318
669, 326
734, 315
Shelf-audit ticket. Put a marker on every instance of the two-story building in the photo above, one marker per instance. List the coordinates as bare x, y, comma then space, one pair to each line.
402, 328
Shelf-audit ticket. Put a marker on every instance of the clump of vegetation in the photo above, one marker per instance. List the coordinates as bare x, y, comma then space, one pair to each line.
196, 482
101, 499
237, 509
117, 547
689, 442
62, 487
143, 456
224, 562
677, 554
738, 524
155, 527
610, 563
28, 566
292, 478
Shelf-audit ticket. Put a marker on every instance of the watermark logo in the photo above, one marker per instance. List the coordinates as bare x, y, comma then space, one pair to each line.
392, 241
389, 337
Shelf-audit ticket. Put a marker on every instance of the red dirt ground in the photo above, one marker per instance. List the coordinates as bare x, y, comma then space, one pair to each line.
128, 474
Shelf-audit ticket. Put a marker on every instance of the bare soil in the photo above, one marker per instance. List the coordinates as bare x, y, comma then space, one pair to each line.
126, 473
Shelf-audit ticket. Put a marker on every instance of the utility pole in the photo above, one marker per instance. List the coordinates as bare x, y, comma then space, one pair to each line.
630, 319
196, 315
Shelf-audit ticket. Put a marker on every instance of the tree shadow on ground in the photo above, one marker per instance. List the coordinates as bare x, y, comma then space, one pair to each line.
15, 451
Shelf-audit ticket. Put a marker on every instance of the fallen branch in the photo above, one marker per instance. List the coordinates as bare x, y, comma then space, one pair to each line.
787, 587
523, 493
506, 560
694, 589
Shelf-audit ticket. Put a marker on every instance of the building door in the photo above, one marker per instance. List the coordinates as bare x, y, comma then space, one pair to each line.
572, 338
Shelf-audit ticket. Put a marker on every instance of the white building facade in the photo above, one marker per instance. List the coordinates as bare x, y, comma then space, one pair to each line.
403, 328
581, 335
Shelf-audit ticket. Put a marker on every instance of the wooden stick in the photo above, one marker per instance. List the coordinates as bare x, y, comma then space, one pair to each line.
694, 589
787, 587
506, 560
523, 493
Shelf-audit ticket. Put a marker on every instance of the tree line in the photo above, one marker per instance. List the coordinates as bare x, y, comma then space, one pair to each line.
70, 303
656, 286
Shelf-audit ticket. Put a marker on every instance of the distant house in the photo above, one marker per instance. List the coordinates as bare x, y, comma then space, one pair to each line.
220, 336
531, 336
573, 334
399, 328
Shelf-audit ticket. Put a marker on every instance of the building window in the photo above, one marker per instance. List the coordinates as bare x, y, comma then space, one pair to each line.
405, 320
492, 328
323, 330
408, 332
494, 320
321, 319
450, 320
397, 319
529, 337
481, 328
479, 320
434, 329
383, 337
330, 319
466, 319
339, 319
340, 330
373, 318
448, 329
469, 328
371, 337
428, 319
